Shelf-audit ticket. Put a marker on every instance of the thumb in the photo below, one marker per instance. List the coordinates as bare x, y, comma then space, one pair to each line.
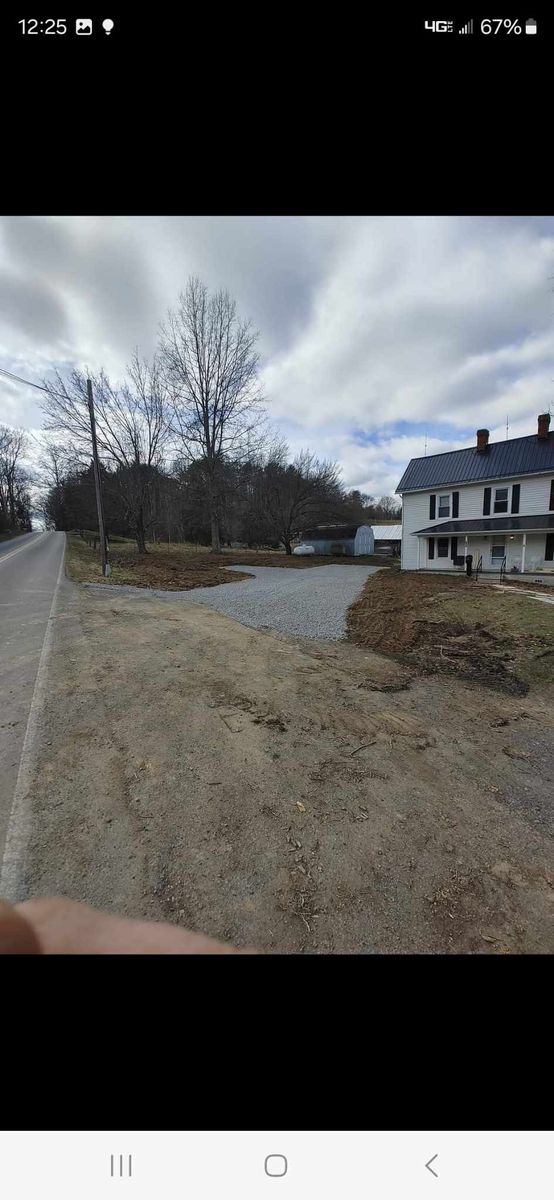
16, 935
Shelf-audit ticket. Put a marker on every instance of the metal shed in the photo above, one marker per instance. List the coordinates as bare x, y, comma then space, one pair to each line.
340, 539
386, 536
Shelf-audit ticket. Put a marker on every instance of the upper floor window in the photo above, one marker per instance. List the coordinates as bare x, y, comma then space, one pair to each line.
501, 500
444, 506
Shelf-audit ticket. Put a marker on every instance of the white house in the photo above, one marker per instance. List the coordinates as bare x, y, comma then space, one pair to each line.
494, 501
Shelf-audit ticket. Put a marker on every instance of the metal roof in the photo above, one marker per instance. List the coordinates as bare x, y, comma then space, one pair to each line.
335, 532
518, 456
387, 533
505, 524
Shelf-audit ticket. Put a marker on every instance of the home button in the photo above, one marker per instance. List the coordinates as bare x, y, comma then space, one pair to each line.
276, 1165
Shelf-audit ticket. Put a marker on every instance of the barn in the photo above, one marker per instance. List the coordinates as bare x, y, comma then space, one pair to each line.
339, 539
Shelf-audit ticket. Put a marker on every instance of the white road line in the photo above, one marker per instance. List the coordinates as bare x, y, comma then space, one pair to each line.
5, 557
19, 824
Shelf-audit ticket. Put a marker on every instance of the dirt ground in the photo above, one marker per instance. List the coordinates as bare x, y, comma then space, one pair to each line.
180, 566
289, 795
456, 626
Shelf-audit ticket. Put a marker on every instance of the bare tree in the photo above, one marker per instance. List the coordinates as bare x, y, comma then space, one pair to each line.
132, 429
291, 496
14, 499
54, 465
389, 507
211, 366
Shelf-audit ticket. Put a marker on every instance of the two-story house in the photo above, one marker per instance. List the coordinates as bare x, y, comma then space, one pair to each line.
493, 500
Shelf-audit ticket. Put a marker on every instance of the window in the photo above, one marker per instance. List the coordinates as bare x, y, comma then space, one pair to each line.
549, 547
444, 506
431, 548
498, 552
501, 500
551, 505
442, 547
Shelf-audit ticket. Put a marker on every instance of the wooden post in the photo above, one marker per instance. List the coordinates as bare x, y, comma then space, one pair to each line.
523, 548
97, 481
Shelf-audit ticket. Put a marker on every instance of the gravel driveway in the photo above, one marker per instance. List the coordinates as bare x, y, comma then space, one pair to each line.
310, 602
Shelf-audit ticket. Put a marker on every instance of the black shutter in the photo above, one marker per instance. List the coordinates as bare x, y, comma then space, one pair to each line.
515, 497
453, 547
551, 505
455, 503
549, 548
432, 505
486, 502
432, 545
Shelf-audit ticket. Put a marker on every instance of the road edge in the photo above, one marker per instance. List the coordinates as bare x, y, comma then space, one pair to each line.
19, 821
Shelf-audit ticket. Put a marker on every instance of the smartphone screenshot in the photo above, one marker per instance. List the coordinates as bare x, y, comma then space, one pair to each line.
277, 521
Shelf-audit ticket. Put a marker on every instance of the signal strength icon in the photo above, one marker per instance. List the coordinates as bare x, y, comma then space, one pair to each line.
467, 28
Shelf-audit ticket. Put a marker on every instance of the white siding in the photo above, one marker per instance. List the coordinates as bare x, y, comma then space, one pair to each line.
534, 496
415, 515
534, 499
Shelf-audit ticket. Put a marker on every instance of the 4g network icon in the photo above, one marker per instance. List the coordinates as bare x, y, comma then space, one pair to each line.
440, 26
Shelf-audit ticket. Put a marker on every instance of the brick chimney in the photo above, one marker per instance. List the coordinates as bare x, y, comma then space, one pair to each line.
544, 422
482, 439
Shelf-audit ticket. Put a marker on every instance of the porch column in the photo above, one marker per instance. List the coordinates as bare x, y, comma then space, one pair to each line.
465, 545
523, 553
418, 553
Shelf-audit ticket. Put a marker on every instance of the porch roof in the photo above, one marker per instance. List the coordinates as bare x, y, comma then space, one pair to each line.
506, 524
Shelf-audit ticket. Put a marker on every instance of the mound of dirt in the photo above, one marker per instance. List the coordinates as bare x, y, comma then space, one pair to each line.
403, 615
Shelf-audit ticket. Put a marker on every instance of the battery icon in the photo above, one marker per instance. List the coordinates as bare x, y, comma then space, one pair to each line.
530, 26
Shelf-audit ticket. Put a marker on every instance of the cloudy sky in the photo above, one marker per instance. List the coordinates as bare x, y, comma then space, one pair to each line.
374, 331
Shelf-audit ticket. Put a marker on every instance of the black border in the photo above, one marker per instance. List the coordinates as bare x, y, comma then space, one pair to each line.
342, 113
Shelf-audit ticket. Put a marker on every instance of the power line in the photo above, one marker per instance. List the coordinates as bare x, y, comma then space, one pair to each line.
40, 387
19, 379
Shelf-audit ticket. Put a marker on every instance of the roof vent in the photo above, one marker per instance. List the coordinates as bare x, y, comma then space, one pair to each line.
482, 439
544, 423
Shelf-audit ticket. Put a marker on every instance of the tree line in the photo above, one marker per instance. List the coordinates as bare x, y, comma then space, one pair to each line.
185, 447
265, 503
15, 500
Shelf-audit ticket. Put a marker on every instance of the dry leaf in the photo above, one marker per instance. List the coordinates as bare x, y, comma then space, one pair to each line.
301, 806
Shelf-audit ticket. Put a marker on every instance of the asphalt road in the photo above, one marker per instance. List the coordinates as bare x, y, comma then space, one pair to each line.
29, 572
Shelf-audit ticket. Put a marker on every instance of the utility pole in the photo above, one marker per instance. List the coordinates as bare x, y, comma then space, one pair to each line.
103, 551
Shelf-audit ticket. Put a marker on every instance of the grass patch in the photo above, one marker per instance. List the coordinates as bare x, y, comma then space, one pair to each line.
456, 626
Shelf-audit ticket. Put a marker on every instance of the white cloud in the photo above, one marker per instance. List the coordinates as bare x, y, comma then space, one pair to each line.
379, 327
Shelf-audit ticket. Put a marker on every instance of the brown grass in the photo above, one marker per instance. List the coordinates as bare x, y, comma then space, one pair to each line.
456, 626
181, 565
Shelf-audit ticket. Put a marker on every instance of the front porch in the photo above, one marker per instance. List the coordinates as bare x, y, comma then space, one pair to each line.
520, 546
